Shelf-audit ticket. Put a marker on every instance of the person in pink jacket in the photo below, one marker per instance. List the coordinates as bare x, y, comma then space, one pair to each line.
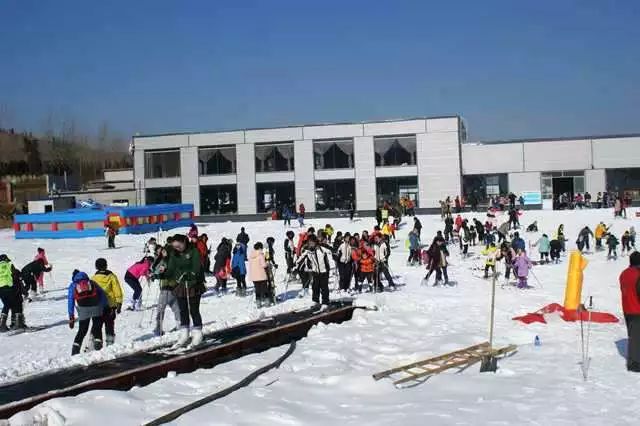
258, 274
40, 278
132, 277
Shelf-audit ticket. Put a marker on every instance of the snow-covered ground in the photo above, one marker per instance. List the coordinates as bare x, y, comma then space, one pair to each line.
328, 378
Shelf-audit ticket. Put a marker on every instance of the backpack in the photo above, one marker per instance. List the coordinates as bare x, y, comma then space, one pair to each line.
86, 293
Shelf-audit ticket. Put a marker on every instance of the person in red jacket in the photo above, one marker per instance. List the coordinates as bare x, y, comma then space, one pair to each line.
630, 289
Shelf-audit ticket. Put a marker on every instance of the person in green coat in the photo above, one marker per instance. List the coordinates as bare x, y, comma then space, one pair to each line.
184, 268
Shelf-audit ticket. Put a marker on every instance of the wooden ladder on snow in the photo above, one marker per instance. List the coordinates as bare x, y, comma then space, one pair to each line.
428, 367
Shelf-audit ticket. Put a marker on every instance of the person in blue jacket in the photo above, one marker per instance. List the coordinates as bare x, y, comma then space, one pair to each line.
89, 300
518, 243
239, 268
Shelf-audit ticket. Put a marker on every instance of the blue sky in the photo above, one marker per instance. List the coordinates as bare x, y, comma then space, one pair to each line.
510, 68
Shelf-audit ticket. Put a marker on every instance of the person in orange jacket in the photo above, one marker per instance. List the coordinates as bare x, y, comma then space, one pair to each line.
366, 270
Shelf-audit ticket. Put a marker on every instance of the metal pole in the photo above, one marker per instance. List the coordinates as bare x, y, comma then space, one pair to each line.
493, 308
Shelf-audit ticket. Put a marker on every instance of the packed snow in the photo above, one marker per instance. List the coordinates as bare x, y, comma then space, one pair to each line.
327, 380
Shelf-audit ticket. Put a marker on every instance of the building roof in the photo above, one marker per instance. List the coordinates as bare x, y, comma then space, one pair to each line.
297, 125
564, 138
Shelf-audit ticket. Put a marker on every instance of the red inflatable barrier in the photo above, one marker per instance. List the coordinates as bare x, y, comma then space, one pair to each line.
80, 226
54, 226
16, 227
29, 227
567, 315
177, 216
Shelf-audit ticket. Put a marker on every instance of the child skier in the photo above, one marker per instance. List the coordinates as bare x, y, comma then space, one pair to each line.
521, 266
414, 248
132, 277
544, 247
626, 242
11, 295
612, 243
222, 264
167, 286
491, 254
328, 231
108, 282
89, 300
599, 234
289, 252
270, 258
110, 232
366, 268
40, 279
239, 268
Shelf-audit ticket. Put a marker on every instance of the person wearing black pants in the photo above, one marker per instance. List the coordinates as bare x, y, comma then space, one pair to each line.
630, 292
83, 328
11, 295
314, 261
320, 287
89, 300
190, 307
30, 274
344, 263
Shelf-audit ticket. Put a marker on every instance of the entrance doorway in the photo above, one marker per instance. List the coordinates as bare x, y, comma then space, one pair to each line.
562, 191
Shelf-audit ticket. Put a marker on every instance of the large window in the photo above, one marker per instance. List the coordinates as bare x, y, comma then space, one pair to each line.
392, 189
217, 161
162, 164
395, 150
624, 181
335, 194
171, 195
567, 182
275, 195
274, 157
484, 186
333, 154
218, 199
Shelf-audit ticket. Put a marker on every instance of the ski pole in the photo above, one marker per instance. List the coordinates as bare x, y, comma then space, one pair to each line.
588, 359
536, 278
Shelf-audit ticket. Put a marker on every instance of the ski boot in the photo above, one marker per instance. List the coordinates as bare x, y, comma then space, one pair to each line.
97, 344
184, 337
3, 323
18, 323
196, 337
110, 340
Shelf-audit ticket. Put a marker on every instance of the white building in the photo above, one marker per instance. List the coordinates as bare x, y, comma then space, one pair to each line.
249, 172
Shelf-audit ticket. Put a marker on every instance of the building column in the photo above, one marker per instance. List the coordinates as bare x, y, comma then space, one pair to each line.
595, 180
365, 168
189, 177
438, 161
246, 178
304, 173
138, 177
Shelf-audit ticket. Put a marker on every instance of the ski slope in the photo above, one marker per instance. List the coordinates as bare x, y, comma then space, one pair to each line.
328, 378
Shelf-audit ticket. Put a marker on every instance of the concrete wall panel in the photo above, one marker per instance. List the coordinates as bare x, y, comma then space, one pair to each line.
189, 177
439, 173
274, 135
246, 176
304, 177
333, 131
365, 170
490, 159
161, 142
395, 128
529, 181
557, 155
595, 180
215, 139
616, 153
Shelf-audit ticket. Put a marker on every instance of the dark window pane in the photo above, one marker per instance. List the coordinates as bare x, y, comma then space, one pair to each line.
624, 181
392, 189
217, 161
484, 186
172, 195
334, 194
275, 195
336, 154
274, 157
161, 164
395, 150
218, 199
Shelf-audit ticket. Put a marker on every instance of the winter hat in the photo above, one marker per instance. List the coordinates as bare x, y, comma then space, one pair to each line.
79, 276
73, 274
634, 259
4, 258
101, 264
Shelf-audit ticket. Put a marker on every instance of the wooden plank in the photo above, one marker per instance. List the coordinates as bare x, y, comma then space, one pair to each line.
387, 373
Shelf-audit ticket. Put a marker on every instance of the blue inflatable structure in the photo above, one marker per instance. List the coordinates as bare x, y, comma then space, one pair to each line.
91, 222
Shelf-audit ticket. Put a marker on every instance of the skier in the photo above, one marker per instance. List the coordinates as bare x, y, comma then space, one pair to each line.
239, 268
626, 242
379, 216
222, 262
544, 246
555, 247
491, 254
600, 233
465, 237
132, 277
270, 258
183, 267
521, 266
11, 295
315, 260
109, 283
352, 210
243, 237
166, 297
40, 279
479, 229
381, 250
632, 237
150, 248
503, 231
193, 232
448, 228
289, 251
560, 237
110, 232
365, 267
612, 244
328, 231
301, 211
29, 275
514, 222
583, 238
518, 243
89, 300
508, 254
417, 226
258, 274
344, 263
437, 262
414, 248
203, 249
630, 290
286, 216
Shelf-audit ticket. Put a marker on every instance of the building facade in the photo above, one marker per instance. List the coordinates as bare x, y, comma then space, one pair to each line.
324, 167
254, 171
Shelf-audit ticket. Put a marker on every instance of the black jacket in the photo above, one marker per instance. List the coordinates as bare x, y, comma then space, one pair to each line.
35, 268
